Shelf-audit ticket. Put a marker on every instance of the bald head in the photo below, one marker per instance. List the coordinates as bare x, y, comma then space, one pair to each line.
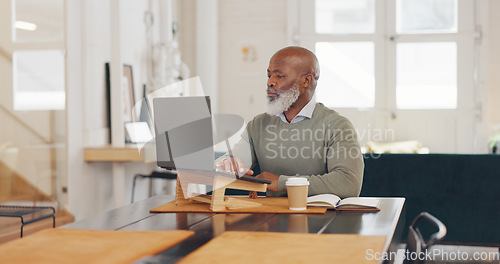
303, 60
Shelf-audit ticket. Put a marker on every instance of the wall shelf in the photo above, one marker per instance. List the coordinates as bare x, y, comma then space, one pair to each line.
108, 153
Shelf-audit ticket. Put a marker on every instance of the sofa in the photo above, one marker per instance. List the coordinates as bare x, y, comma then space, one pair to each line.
463, 191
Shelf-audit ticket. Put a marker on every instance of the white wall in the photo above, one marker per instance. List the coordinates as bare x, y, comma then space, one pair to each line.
90, 185
97, 51
258, 24
494, 68
186, 17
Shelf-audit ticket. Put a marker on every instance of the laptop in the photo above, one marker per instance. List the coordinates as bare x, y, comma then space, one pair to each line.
184, 135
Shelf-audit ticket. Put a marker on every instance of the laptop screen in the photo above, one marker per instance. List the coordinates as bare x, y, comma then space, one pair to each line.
184, 137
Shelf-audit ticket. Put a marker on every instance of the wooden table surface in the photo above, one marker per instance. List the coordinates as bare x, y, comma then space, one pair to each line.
389, 222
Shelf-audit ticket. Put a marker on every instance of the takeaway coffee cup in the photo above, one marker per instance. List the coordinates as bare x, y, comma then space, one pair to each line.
297, 193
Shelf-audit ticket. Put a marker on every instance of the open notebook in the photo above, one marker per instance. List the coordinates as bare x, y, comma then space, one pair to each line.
352, 203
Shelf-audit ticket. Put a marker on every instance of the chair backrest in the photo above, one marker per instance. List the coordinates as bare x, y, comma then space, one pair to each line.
416, 246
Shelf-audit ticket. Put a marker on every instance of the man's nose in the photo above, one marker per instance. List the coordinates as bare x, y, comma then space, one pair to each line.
271, 83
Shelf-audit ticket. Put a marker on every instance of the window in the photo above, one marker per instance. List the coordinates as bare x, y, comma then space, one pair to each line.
38, 56
426, 16
347, 69
409, 66
426, 75
38, 80
351, 37
345, 16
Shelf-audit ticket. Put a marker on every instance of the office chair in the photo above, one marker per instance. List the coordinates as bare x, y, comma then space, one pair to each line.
416, 244
166, 175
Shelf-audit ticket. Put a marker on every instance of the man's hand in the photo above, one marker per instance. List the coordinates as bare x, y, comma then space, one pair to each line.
273, 186
227, 165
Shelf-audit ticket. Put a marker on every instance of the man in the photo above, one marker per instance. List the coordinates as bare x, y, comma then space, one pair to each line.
298, 137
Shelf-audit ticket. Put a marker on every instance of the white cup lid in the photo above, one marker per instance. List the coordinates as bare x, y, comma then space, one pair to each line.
297, 181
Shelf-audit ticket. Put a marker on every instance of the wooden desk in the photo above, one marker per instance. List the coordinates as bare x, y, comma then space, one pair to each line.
388, 222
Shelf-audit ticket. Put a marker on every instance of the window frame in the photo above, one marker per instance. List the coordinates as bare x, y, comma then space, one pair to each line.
57, 99
470, 117
385, 38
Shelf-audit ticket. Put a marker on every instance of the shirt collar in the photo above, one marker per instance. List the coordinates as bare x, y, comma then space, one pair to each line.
305, 112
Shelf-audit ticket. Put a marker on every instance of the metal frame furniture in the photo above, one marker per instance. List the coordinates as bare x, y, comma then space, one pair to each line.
416, 242
166, 175
29, 214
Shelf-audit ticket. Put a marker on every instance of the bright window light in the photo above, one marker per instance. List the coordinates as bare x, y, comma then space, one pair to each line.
347, 76
38, 80
25, 25
426, 75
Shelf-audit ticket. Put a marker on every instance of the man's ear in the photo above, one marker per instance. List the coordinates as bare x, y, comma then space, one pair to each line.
308, 79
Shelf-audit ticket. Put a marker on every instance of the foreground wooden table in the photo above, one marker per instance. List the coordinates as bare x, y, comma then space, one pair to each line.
389, 222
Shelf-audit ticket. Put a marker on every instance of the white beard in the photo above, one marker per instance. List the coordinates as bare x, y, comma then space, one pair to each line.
283, 100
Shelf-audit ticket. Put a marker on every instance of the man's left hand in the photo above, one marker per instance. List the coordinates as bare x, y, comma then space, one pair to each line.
273, 186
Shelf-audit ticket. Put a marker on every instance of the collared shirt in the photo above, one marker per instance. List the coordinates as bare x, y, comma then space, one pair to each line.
306, 112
